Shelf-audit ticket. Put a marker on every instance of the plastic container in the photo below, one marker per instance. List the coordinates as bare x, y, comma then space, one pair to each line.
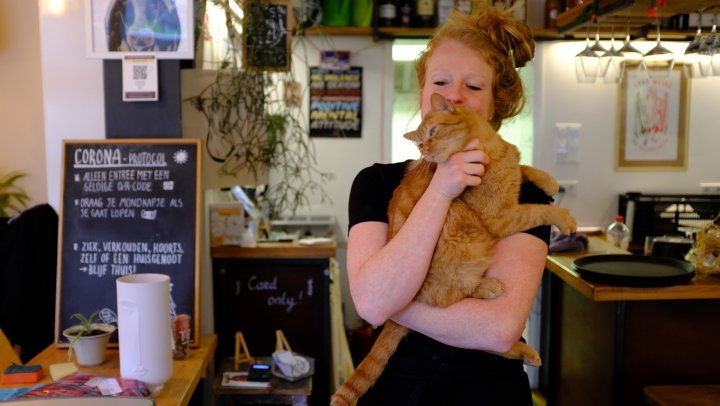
336, 13
618, 233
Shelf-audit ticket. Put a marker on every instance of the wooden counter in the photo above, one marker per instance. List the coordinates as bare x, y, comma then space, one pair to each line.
603, 344
177, 391
292, 250
700, 287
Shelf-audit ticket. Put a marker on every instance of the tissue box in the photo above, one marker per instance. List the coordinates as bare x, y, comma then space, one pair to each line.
227, 221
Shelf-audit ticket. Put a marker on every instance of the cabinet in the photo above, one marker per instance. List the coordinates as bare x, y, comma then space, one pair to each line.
603, 344
275, 286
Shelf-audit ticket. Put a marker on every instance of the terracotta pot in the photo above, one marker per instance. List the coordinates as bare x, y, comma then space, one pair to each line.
90, 350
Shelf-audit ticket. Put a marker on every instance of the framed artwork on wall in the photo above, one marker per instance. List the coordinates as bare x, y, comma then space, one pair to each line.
652, 122
115, 28
267, 35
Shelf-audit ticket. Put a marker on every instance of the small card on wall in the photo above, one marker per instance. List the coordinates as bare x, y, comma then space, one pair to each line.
140, 78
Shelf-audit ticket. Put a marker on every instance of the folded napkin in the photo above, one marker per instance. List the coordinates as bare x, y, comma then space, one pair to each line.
560, 242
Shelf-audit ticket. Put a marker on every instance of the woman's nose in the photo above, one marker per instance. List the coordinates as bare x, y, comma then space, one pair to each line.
454, 95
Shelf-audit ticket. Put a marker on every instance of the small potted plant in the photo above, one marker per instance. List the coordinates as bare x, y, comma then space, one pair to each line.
88, 340
13, 198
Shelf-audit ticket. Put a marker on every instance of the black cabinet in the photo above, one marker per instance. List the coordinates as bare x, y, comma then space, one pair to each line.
260, 290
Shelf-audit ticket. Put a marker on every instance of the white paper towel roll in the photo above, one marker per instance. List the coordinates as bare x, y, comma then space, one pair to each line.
144, 329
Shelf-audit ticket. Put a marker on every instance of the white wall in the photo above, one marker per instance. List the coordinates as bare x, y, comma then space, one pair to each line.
560, 99
73, 109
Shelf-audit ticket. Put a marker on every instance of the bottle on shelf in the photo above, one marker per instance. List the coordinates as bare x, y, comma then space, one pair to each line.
426, 13
387, 13
406, 11
618, 233
552, 8
443, 9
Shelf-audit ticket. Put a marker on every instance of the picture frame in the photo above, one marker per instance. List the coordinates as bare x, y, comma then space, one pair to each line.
111, 33
267, 35
652, 122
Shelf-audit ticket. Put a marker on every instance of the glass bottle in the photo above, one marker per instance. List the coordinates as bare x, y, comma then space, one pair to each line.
618, 233
387, 13
426, 13
406, 11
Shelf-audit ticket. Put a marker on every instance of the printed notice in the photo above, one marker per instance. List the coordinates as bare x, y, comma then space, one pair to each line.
336, 102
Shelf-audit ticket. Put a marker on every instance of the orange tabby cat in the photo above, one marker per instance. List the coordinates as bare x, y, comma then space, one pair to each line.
476, 220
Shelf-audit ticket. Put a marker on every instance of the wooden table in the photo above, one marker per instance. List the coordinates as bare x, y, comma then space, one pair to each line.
604, 344
280, 392
177, 391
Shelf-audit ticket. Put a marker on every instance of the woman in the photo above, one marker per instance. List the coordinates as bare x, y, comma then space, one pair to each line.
471, 61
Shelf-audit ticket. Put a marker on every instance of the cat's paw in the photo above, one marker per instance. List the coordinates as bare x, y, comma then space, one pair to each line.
489, 288
550, 186
566, 223
532, 359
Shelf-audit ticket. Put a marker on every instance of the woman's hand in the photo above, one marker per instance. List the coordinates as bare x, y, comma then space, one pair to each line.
462, 169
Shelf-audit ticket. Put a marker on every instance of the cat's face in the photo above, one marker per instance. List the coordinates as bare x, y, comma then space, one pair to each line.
446, 129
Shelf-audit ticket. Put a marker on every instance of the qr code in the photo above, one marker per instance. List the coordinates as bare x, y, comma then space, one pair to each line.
140, 72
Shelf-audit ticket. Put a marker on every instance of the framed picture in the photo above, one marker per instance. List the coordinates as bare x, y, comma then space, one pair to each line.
267, 35
653, 119
115, 28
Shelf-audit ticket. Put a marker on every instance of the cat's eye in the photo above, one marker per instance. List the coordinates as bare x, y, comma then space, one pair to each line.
432, 131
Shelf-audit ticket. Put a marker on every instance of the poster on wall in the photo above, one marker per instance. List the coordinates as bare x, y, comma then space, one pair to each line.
336, 102
653, 118
115, 28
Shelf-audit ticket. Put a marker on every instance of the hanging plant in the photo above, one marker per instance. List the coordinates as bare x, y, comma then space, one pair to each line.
253, 128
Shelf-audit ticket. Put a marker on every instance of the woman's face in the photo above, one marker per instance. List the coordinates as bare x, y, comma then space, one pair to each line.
461, 75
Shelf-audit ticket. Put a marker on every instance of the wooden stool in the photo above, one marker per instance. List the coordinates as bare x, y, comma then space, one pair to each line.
683, 395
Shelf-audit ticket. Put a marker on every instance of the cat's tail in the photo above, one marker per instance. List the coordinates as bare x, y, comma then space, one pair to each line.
370, 369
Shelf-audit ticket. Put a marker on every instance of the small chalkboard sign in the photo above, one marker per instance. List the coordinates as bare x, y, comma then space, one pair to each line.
128, 206
267, 35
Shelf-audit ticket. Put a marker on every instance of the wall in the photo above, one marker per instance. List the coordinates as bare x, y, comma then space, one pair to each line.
72, 95
560, 99
21, 110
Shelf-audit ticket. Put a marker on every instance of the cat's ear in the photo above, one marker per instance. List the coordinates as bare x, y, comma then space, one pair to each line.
412, 136
438, 103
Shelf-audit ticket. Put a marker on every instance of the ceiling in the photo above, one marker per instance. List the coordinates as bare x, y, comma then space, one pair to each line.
632, 16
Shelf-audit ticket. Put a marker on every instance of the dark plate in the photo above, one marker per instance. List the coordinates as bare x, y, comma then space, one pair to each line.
634, 270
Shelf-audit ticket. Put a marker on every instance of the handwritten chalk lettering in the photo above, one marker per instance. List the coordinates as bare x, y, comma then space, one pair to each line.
121, 258
168, 247
178, 203
134, 186
84, 213
94, 176
144, 174
161, 174
125, 246
254, 284
98, 213
121, 174
97, 157
105, 257
91, 202
157, 259
285, 300
111, 201
122, 213
89, 246
88, 258
97, 187
96, 270
142, 202
122, 270
147, 158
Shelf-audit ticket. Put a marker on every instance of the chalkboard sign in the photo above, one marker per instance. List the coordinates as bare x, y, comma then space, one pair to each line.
336, 102
128, 206
267, 35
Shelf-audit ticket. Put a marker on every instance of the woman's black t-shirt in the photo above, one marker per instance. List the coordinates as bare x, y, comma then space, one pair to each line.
423, 371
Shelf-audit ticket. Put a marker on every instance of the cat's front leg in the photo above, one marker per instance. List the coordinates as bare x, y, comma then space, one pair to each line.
540, 178
488, 288
520, 350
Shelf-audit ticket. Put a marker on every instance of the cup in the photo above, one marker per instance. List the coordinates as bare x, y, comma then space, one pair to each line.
181, 336
649, 244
